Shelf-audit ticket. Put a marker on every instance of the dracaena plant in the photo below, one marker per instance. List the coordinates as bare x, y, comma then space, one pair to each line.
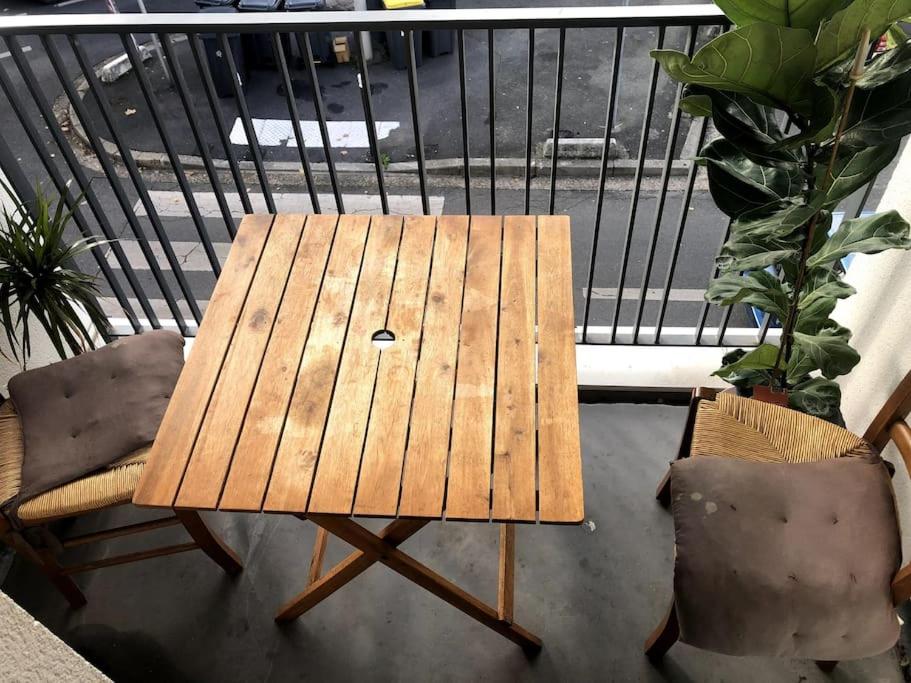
804, 119
39, 280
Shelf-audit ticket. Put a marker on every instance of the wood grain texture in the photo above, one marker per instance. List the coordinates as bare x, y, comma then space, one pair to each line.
295, 460
208, 467
171, 451
381, 468
245, 487
468, 494
514, 427
424, 478
559, 450
346, 428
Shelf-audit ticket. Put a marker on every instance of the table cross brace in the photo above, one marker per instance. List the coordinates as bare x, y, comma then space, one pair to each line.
382, 547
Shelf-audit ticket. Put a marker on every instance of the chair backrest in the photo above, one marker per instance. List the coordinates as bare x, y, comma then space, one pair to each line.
889, 423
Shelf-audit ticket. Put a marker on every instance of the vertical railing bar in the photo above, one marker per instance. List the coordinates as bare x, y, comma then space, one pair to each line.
416, 119
84, 186
634, 205
370, 119
111, 175
104, 107
303, 42
662, 197
463, 97
558, 101
681, 226
723, 327
63, 189
764, 329
295, 119
703, 315
865, 198
247, 122
492, 118
209, 88
602, 177
180, 84
146, 88
529, 116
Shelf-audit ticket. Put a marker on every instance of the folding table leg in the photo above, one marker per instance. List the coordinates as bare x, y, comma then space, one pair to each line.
352, 566
319, 551
209, 542
420, 574
507, 577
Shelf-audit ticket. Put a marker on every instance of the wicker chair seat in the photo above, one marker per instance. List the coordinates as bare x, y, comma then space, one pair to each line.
737, 427
111, 486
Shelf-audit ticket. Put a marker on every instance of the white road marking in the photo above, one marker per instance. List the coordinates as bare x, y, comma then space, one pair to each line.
651, 294
279, 133
172, 203
67, 3
25, 48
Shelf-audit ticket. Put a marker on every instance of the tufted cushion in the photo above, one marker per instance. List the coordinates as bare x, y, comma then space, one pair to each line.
84, 413
783, 559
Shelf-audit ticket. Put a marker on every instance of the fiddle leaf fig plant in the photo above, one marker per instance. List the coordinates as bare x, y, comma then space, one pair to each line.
804, 119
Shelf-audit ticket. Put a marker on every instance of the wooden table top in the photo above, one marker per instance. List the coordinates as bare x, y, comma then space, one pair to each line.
287, 405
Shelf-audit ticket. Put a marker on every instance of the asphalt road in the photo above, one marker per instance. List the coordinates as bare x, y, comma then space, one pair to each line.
586, 85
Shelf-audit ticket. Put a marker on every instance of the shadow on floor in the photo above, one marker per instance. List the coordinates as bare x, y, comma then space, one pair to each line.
592, 593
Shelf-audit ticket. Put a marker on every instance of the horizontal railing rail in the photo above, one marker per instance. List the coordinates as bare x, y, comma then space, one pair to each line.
168, 193
271, 22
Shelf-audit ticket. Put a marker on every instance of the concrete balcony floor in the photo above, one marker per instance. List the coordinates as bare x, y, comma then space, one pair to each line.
592, 593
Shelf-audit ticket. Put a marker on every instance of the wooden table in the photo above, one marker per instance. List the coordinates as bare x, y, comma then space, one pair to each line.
287, 405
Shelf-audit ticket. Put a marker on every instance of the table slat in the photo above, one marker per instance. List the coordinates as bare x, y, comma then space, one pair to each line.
205, 475
169, 455
514, 427
245, 487
424, 479
559, 451
384, 450
468, 494
339, 461
289, 486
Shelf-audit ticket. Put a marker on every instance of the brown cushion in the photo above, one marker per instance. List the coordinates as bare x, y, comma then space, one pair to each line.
83, 413
783, 559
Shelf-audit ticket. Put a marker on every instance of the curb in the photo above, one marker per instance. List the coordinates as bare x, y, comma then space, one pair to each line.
514, 167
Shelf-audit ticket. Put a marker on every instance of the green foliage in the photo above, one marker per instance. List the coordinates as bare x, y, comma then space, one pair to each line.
791, 62
38, 279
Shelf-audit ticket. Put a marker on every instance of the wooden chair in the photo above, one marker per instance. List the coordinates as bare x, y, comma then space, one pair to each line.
31, 538
725, 425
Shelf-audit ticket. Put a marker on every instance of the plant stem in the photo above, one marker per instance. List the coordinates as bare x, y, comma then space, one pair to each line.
786, 343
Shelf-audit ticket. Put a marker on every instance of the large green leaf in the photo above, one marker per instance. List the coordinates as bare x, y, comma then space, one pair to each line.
879, 115
758, 288
829, 350
739, 185
782, 223
772, 64
743, 377
838, 36
761, 358
742, 253
818, 396
796, 13
751, 127
887, 66
853, 169
868, 235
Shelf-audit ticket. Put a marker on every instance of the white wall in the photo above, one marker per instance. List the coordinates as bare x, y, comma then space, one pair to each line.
879, 314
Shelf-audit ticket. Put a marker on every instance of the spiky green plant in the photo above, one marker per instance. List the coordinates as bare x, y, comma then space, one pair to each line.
39, 279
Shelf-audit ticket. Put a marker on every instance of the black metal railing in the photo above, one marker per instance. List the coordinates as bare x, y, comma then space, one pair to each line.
633, 218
